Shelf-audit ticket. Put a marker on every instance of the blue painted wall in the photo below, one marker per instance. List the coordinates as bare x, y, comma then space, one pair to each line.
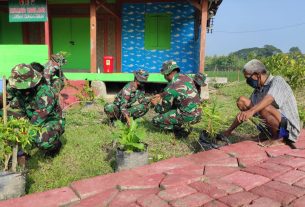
184, 49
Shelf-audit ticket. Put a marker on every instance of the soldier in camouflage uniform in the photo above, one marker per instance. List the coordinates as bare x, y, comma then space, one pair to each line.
178, 105
124, 105
53, 73
200, 81
39, 103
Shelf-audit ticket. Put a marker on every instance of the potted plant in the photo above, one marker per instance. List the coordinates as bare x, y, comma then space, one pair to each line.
213, 122
14, 134
131, 150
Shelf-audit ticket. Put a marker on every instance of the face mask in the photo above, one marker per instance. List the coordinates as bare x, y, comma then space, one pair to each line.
251, 82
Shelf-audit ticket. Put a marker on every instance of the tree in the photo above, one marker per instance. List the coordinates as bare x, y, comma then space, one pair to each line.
295, 50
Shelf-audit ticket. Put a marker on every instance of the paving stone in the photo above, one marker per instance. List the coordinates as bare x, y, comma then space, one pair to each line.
296, 191
91, 186
264, 202
300, 183
215, 203
129, 196
99, 200
229, 188
291, 177
246, 180
227, 162
152, 201
262, 171
176, 192
217, 171
194, 200
279, 159
176, 180
151, 181
275, 151
297, 153
187, 170
238, 199
162, 166
298, 203
300, 144
208, 189
57, 197
244, 149
250, 161
301, 168
295, 162
265, 191
202, 158
274, 167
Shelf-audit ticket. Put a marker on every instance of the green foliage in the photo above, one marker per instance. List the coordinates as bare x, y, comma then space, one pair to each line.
302, 114
256, 52
16, 132
86, 94
130, 138
290, 66
295, 50
213, 120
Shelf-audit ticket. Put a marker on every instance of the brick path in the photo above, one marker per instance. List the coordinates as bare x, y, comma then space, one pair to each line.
242, 174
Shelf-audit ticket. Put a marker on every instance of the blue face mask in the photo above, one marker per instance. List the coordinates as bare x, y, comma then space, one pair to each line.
251, 82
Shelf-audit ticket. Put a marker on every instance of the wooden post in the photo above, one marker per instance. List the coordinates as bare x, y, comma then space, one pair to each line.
204, 19
4, 101
93, 68
47, 33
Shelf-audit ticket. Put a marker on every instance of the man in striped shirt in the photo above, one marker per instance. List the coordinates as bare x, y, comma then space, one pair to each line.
272, 100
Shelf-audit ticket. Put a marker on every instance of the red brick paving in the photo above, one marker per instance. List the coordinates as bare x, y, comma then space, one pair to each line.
242, 174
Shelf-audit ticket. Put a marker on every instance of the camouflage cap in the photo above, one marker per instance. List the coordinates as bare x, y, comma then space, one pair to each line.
200, 79
59, 58
24, 77
168, 67
141, 75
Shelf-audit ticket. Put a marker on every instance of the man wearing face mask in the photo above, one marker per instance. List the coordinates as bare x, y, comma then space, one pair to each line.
38, 102
272, 100
53, 73
124, 105
178, 105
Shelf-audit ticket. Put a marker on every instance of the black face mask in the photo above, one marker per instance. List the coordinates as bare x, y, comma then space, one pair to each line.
251, 82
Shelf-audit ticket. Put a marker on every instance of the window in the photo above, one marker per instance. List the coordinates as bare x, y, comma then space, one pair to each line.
157, 31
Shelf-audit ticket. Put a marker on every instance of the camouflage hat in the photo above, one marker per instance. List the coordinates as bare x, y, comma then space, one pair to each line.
24, 77
59, 58
141, 75
200, 79
168, 67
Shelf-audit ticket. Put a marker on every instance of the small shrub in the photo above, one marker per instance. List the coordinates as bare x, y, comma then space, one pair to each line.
86, 94
129, 138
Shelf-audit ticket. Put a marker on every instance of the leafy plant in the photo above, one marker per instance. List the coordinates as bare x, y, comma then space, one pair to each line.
16, 133
290, 66
86, 94
129, 138
213, 120
302, 114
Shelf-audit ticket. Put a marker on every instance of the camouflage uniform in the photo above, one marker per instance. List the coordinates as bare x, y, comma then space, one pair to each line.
199, 81
40, 106
125, 101
180, 102
53, 73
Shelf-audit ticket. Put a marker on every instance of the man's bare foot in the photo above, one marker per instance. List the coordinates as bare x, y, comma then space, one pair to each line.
270, 143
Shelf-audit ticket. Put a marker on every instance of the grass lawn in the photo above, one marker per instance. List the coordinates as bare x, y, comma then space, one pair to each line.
87, 148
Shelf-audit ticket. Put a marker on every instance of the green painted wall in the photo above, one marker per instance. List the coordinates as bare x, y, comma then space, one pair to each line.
11, 55
68, 1
11, 33
73, 36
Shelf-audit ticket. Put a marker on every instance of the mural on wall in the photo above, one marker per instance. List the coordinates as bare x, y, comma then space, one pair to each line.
184, 48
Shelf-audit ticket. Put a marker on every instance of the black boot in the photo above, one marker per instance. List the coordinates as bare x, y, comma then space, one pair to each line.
55, 150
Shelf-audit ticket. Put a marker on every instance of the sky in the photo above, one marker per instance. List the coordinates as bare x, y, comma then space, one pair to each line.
242, 24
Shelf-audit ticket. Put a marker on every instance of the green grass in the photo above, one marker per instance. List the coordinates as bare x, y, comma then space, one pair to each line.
87, 149
231, 75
